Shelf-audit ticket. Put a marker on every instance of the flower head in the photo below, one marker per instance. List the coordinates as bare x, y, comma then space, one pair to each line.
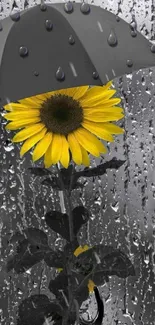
66, 124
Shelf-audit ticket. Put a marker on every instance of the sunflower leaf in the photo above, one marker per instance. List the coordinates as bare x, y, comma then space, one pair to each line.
100, 169
32, 250
108, 260
35, 309
58, 221
39, 171
59, 287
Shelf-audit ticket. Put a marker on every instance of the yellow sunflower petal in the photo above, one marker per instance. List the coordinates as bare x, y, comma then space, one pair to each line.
98, 130
85, 157
112, 128
108, 85
56, 148
94, 94
89, 142
103, 116
28, 132
29, 143
16, 115
13, 106
101, 102
64, 159
48, 157
75, 148
81, 249
22, 123
32, 102
91, 286
103, 109
42, 146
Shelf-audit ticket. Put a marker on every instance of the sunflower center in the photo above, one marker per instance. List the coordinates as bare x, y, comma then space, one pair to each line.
61, 114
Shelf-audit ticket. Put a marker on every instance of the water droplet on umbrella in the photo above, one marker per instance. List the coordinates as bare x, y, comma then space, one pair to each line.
15, 16
71, 40
85, 8
1, 27
129, 63
95, 75
23, 51
68, 7
153, 48
60, 74
133, 33
117, 18
36, 73
112, 39
49, 25
43, 7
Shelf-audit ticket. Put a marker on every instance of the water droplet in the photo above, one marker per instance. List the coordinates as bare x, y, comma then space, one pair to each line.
68, 7
129, 63
85, 8
23, 51
36, 73
60, 74
133, 33
112, 39
115, 206
43, 7
15, 16
117, 18
1, 27
49, 25
71, 40
95, 75
153, 48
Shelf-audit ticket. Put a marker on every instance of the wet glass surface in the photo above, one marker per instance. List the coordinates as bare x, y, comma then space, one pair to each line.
121, 203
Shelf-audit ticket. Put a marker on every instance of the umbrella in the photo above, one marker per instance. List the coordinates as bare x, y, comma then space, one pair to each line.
55, 46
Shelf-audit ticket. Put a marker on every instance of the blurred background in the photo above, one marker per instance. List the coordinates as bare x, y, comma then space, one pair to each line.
121, 203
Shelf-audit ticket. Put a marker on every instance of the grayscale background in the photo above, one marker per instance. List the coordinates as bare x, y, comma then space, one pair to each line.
122, 203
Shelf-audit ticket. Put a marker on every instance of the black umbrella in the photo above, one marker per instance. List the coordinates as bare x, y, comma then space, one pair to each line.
56, 46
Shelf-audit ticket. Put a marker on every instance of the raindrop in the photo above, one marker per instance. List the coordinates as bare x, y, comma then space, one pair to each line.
49, 25
71, 40
95, 75
15, 16
129, 63
23, 51
43, 7
60, 74
36, 73
117, 18
133, 25
85, 8
1, 27
153, 48
68, 7
134, 300
112, 39
133, 33
115, 206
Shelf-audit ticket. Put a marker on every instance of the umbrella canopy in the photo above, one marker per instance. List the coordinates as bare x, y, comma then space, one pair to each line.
56, 46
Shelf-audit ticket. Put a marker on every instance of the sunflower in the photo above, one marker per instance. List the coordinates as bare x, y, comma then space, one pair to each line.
66, 124
79, 250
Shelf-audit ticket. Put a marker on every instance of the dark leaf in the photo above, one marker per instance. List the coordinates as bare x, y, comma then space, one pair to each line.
35, 309
59, 286
32, 250
52, 182
58, 221
101, 169
112, 262
17, 237
55, 183
36, 237
39, 171
54, 259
